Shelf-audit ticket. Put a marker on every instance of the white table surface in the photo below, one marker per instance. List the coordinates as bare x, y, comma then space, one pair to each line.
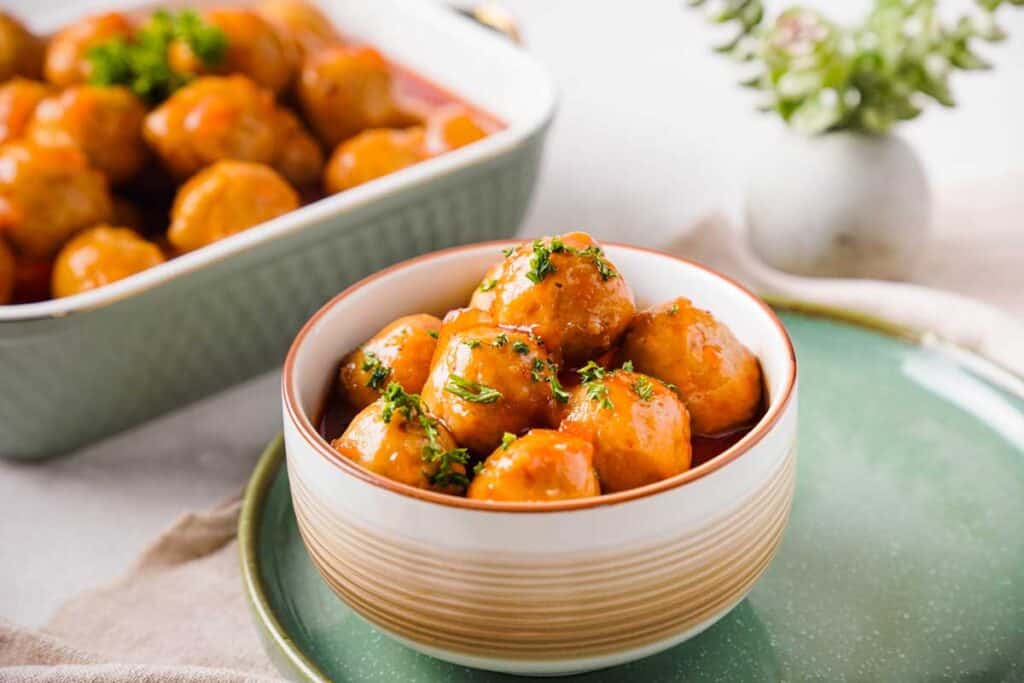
651, 135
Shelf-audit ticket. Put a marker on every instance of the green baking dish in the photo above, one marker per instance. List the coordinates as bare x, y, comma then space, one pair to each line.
77, 369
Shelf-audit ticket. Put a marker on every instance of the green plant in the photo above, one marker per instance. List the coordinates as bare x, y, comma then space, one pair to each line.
822, 77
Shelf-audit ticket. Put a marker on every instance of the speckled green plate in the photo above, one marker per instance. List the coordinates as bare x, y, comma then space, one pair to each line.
903, 561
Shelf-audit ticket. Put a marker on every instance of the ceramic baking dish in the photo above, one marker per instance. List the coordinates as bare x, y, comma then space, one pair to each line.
74, 370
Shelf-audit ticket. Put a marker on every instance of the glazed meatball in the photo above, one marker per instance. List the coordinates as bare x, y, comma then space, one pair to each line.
451, 127
21, 53
639, 427
104, 122
717, 376
6, 274
99, 256
345, 90
486, 381
67, 60
397, 438
567, 292
543, 465
230, 117
400, 352
226, 198
18, 100
300, 23
372, 154
47, 194
483, 295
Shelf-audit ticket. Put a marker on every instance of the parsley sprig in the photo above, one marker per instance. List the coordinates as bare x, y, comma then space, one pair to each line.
643, 388
541, 265
378, 371
474, 392
397, 400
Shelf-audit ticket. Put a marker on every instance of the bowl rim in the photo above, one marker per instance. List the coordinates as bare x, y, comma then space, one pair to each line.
309, 434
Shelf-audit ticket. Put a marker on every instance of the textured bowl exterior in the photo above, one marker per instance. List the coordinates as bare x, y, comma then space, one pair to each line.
71, 380
567, 589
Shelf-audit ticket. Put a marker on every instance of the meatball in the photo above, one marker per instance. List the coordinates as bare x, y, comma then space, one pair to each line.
18, 100
483, 296
226, 198
21, 53
541, 466
397, 438
67, 60
230, 117
6, 274
372, 154
485, 381
47, 194
567, 292
639, 427
345, 90
301, 24
451, 127
254, 49
717, 376
400, 352
104, 122
99, 256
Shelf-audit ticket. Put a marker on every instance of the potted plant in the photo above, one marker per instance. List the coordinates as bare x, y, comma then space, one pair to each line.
840, 194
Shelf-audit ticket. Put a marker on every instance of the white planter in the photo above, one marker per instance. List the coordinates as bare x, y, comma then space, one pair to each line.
839, 205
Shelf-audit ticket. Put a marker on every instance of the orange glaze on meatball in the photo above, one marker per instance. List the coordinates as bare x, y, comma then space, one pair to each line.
345, 90
639, 427
717, 376
104, 122
451, 127
18, 100
400, 352
543, 465
372, 154
389, 438
301, 24
66, 56
99, 256
47, 194
485, 381
21, 52
6, 274
224, 199
567, 292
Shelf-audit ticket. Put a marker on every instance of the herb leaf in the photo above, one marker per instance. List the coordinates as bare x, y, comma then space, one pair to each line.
378, 371
520, 347
474, 392
591, 372
500, 340
506, 440
557, 390
487, 285
628, 366
595, 253
598, 392
540, 262
643, 388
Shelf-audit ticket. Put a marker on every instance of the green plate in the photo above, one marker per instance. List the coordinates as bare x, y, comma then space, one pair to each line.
903, 561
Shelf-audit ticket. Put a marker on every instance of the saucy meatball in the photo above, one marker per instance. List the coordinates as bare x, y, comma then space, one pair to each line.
104, 122
18, 100
397, 438
47, 194
345, 90
717, 376
567, 292
372, 154
67, 60
542, 465
400, 352
639, 427
451, 127
21, 53
300, 23
224, 199
99, 256
6, 274
485, 381
230, 117
254, 49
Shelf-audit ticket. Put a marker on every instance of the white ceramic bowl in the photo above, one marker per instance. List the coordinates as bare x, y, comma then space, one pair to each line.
552, 588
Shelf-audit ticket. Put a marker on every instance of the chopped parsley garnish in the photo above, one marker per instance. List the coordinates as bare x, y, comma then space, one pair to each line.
432, 333
143, 65
598, 392
472, 343
396, 399
670, 386
508, 251
540, 263
411, 407
673, 309
643, 388
506, 440
520, 347
557, 390
500, 340
591, 372
487, 285
597, 256
477, 468
628, 366
474, 392
378, 371
536, 373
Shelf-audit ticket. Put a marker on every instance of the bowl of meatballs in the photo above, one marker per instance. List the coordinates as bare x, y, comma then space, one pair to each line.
542, 457
174, 178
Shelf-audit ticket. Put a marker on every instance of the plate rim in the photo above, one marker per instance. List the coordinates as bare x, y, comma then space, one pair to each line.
257, 489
